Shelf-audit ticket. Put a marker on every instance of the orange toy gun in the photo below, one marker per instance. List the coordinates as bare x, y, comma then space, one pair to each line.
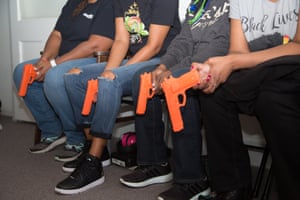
28, 77
90, 96
145, 93
173, 89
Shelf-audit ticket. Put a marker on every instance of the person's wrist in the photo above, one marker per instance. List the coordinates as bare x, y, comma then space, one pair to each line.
162, 67
44, 59
53, 63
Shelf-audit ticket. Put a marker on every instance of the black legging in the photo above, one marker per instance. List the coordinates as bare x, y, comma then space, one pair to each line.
272, 93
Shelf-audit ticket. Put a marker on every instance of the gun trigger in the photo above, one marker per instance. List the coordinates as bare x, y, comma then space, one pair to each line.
183, 102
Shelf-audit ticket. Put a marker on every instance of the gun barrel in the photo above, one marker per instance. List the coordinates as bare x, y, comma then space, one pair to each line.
145, 93
91, 92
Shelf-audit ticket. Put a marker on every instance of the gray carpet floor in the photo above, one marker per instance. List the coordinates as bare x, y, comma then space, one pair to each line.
25, 176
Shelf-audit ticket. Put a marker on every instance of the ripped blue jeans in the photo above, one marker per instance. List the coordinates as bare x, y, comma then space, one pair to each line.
102, 117
49, 103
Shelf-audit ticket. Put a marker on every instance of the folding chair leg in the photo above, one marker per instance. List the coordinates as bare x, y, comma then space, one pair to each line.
260, 173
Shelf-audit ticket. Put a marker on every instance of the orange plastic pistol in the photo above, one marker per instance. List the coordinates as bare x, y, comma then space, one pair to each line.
90, 96
174, 88
145, 92
29, 75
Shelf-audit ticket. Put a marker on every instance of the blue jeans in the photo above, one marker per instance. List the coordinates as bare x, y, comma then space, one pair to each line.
102, 118
187, 144
49, 102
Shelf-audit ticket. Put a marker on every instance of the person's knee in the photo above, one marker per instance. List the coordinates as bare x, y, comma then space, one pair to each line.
53, 80
72, 78
74, 70
266, 99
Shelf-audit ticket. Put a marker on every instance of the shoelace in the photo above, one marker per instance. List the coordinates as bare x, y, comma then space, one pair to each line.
193, 188
151, 171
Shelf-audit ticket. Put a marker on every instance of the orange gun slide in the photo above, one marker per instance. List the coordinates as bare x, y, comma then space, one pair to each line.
145, 92
174, 88
90, 96
29, 75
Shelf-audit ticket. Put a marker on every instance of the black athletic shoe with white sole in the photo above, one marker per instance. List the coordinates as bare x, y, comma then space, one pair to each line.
72, 165
87, 175
147, 175
187, 191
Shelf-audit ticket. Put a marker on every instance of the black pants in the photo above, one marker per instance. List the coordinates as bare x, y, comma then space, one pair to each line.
270, 91
187, 144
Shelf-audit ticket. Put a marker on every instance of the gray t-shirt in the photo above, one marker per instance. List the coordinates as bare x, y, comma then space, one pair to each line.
263, 17
206, 37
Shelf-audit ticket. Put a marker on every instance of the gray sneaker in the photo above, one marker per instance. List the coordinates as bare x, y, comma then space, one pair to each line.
69, 153
47, 144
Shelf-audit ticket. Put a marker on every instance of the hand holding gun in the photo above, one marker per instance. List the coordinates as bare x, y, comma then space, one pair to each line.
174, 88
90, 96
29, 75
146, 92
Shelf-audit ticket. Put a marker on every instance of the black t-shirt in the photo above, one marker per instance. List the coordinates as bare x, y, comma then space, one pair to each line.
96, 18
160, 12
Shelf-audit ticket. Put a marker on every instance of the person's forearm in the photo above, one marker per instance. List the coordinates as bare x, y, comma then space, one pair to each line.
52, 46
248, 60
87, 48
144, 54
117, 54
83, 50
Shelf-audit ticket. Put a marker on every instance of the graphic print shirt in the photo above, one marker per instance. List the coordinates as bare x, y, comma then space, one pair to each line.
139, 14
263, 17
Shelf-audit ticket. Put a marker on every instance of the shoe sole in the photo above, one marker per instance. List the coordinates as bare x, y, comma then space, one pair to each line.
203, 193
105, 163
67, 159
82, 189
154, 180
51, 146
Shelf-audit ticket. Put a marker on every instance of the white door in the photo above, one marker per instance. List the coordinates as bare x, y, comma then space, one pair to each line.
31, 23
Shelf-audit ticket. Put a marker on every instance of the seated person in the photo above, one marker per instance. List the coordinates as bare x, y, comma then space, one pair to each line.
201, 37
145, 29
264, 82
73, 42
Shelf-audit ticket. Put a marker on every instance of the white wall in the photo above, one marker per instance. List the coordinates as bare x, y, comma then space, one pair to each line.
6, 87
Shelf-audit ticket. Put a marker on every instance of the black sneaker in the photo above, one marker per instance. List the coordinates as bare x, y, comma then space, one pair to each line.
237, 194
47, 144
88, 175
147, 175
188, 191
72, 165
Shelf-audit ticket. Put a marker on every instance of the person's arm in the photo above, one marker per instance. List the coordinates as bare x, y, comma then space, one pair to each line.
180, 48
240, 57
120, 45
87, 48
50, 51
52, 45
157, 35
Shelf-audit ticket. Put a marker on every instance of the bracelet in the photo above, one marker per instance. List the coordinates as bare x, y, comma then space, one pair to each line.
52, 63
